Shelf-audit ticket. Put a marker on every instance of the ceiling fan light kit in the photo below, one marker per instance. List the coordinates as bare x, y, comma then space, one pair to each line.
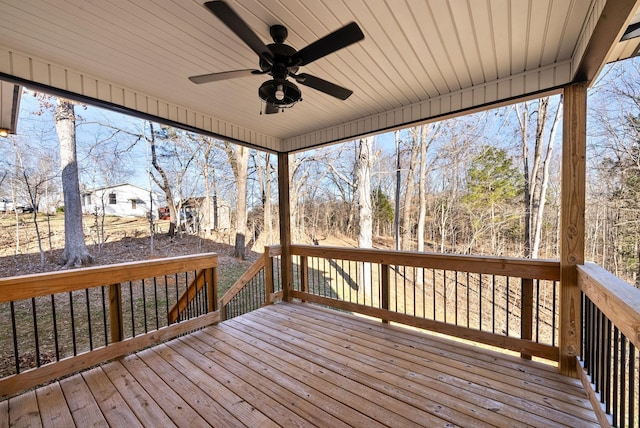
281, 61
280, 93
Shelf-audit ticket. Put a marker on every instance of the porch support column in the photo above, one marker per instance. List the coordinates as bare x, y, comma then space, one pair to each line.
284, 213
574, 137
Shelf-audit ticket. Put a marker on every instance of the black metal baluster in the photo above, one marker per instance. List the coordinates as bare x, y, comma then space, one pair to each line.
538, 311
55, 327
553, 318
607, 383
104, 316
133, 318
493, 304
616, 376
144, 307
455, 297
166, 296
480, 301
444, 291
597, 356
632, 383
155, 297
175, 278
16, 354
424, 293
507, 306
433, 284
468, 311
86, 296
623, 379
35, 330
73, 324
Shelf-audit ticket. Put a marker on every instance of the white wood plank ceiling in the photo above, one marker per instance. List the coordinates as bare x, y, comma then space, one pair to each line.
420, 59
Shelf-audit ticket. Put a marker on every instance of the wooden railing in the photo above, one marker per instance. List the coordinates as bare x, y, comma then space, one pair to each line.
258, 286
504, 302
609, 347
54, 324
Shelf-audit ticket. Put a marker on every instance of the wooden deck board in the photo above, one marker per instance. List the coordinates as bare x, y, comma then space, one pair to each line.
114, 407
511, 389
53, 407
456, 405
301, 365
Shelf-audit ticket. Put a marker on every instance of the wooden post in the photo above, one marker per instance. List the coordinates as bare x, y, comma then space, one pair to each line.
384, 298
526, 312
211, 278
284, 214
223, 311
574, 137
268, 275
115, 313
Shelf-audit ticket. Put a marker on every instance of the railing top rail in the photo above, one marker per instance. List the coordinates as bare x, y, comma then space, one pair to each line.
617, 299
506, 266
242, 281
42, 284
274, 250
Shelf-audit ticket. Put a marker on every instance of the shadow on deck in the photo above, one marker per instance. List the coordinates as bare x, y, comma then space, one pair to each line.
295, 364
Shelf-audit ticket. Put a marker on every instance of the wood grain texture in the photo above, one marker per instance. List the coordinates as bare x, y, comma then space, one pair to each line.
298, 365
503, 342
574, 137
618, 300
44, 284
13, 384
284, 213
516, 267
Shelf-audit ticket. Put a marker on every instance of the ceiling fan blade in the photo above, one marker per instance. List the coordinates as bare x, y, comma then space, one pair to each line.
214, 77
236, 24
341, 38
271, 109
323, 86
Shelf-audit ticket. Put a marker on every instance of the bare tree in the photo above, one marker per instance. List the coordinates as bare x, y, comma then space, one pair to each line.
75, 252
239, 160
35, 171
536, 170
407, 207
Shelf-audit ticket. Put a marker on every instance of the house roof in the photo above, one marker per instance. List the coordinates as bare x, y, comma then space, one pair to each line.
96, 189
420, 60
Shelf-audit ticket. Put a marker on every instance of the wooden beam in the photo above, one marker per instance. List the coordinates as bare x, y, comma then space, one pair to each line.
612, 23
284, 214
574, 136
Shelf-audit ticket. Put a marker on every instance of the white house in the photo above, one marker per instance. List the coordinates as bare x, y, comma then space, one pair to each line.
121, 200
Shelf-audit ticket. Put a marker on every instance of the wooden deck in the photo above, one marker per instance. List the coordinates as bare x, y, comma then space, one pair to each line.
300, 365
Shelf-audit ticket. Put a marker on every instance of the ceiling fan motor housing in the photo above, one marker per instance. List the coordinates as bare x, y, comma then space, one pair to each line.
289, 93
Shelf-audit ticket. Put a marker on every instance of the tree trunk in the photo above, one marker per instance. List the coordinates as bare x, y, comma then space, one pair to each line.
239, 159
164, 184
523, 118
75, 252
364, 165
267, 201
407, 208
543, 180
396, 211
422, 185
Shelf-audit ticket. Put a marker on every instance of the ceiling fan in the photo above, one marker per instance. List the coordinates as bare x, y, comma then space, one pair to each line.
281, 61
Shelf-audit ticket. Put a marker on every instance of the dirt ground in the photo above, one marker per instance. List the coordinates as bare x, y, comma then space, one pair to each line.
125, 239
